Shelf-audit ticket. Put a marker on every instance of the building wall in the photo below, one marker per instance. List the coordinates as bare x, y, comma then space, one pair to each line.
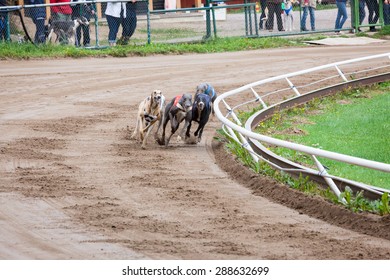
192, 3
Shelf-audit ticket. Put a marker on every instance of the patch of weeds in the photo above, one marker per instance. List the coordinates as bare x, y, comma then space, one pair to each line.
354, 202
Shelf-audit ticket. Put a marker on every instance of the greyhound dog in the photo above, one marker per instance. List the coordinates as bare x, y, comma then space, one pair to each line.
66, 30
288, 18
150, 110
176, 111
208, 89
201, 110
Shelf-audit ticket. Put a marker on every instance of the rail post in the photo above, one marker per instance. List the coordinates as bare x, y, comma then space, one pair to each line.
208, 23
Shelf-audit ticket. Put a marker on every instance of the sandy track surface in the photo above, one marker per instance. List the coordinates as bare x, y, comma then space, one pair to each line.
74, 186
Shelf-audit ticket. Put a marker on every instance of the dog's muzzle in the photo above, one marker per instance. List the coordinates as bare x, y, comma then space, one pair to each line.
201, 105
157, 99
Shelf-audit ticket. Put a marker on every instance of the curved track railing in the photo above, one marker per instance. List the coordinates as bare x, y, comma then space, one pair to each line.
290, 90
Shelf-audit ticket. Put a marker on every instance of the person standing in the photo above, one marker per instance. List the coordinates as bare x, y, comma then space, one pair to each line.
308, 6
263, 16
362, 13
129, 23
83, 10
341, 15
274, 7
386, 12
61, 13
373, 13
115, 14
3, 22
38, 16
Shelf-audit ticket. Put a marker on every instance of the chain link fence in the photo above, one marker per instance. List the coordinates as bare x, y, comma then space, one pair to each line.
110, 22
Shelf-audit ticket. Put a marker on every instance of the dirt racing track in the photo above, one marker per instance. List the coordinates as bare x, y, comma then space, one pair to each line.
73, 185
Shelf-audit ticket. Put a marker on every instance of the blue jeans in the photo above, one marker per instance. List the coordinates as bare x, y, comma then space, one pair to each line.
40, 36
341, 15
113, 25
386, 13
362, 11
312, 18
3, 26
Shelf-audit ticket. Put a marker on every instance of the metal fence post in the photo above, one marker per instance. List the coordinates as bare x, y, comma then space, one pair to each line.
381, 18
148, 22
246, 17
7, 28
214, 21
355, 14
96, 17
208, 23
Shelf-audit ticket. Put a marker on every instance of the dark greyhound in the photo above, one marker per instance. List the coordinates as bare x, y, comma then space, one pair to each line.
201, 110
208, 89
176, 111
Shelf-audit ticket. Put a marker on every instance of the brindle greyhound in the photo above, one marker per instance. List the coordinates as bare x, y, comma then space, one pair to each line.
176, 111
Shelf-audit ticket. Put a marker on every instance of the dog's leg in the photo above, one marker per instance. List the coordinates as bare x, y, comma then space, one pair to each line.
150, 128
292, 22
174, 127
146, 132
50, 35
141, 129
71, 40
135, 133
181, 135
77, 23
212, 109
151, 123
199, 131
187, 122
158, 128
188, 135
165, 122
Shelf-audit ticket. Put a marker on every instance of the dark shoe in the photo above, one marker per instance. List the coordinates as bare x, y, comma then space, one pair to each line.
124, 40
282, 30
304, 29
373, 29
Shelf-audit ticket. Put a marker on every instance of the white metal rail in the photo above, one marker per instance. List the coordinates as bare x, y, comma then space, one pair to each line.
325, 76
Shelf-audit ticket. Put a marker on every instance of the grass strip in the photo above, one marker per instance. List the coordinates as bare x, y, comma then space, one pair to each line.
352, 122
